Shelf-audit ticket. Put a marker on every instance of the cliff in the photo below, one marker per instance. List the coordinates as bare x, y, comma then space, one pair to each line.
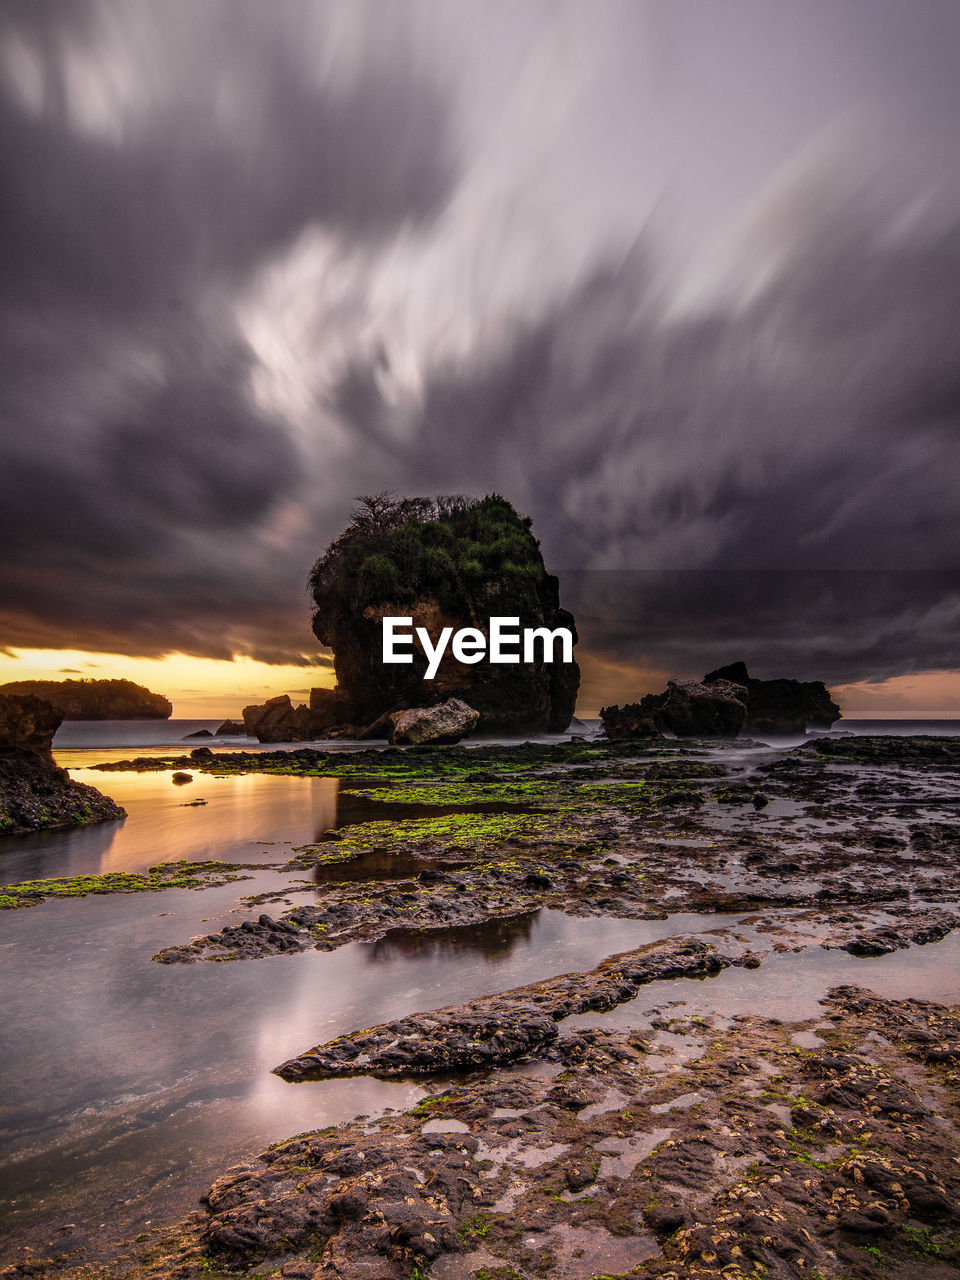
34, 792
443, 563
95, 699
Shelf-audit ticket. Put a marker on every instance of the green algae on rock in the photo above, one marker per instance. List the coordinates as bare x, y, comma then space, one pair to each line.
165, 875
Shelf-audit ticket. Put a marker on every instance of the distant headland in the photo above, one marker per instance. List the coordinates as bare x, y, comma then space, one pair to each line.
95, 699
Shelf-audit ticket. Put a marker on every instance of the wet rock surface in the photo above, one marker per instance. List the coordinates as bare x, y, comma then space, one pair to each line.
739, 1155
830, 849
499, 1029
655, 1141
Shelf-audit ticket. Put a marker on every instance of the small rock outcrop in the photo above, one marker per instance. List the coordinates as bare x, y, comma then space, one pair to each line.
725, 703
629, 721
496, 1030
688, 708
447, 722
231, 729
95, 699
780, 706
34, 792
442, 563
278, 720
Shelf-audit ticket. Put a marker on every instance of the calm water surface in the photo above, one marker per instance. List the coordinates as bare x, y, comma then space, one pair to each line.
124, 1079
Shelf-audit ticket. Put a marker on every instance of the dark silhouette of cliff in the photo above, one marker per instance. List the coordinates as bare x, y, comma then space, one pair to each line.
95, 699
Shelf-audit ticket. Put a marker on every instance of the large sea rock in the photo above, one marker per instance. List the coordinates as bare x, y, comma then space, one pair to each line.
695, 709
725, 703
95, 699
444, 563
34, 792
779, 706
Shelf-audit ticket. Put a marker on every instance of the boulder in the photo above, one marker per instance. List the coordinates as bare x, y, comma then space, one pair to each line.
688, 708
34, 793
629, 721
780, 706
441, 563
278, 720
448, 722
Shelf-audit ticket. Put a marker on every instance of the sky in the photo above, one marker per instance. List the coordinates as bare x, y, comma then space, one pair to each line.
678, 278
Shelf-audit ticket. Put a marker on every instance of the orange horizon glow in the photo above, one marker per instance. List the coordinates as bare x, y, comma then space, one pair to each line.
199, 688
214, 688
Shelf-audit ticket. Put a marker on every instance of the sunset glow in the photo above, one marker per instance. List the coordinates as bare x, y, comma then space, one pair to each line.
199, 688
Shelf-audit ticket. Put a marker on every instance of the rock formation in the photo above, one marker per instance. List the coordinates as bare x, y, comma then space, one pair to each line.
725, 703
278, 720
446, 722
444, 563
34, 792
95, 699
231, 729
780, 706
629, 721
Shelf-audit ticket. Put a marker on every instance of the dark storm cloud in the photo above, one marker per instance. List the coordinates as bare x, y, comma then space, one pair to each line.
760, 461
135, 467
776, 481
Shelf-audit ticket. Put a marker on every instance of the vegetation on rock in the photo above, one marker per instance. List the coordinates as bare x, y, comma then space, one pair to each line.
443, 562
96, 699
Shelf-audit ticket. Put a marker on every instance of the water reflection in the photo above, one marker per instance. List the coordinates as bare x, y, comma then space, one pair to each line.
790, 987
491, 939
246, 818
123, 1077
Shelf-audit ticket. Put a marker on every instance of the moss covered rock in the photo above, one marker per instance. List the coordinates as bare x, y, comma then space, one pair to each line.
444, 563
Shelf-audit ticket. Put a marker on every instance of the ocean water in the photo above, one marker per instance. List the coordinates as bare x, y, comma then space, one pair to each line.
159, 736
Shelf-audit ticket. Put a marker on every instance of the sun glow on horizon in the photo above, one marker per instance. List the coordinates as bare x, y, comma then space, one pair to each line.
208, 688
199, 688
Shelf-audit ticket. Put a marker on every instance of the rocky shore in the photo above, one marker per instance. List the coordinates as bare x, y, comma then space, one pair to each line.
572, 1130
34, 793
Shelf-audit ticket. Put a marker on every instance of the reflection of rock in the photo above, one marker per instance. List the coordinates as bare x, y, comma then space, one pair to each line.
447, 722
96, 699
180, 779
495, 1030
630, 721
492, 939
34, 793
449, 563
780, 706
